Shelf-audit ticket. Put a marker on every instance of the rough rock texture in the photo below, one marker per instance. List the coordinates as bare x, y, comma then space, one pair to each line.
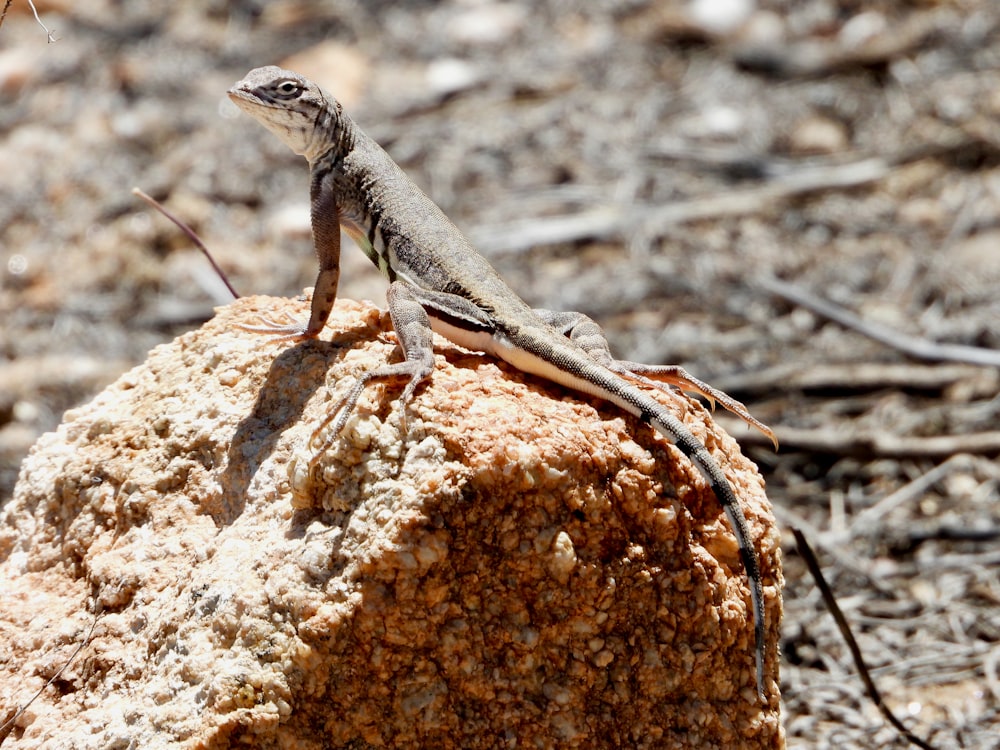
521, 568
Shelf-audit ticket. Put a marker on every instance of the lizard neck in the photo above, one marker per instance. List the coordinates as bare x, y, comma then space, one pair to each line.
332, 137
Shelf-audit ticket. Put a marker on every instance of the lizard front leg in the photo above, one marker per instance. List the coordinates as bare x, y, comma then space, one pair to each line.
326, 240
413, 330
583, 331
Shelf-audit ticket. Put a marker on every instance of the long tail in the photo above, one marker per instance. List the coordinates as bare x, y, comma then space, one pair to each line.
669, 426
557, 359
655, 414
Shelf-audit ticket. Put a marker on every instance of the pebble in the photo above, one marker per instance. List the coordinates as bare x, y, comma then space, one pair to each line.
818, 135
341, 69
721, 17
450, 75
488, 23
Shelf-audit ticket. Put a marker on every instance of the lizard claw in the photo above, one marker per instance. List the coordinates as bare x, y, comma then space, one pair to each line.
286, 331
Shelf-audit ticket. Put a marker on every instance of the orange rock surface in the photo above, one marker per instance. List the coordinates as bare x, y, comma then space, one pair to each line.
520, 567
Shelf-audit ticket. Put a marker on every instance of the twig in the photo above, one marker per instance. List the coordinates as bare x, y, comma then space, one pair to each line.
48, 34
866, 519
519, 236
990, 668
944, 663
190, 234
763, 198
914, 346
9, 723
852, 442
954, 533
855, 376
845, 630
986, 559
785, 178
816, 58
833, 544
650, 221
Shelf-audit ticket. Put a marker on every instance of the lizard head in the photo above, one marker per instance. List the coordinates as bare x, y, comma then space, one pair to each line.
290, 106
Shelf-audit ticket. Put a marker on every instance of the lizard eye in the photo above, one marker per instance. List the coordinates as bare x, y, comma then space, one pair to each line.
288, 88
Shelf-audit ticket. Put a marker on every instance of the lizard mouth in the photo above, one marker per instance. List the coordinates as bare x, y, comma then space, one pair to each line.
249, 98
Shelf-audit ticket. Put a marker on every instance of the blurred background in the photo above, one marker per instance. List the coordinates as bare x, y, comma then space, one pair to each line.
697, 176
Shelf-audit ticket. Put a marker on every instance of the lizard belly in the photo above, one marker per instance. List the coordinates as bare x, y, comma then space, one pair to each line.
535, 364
525, 361
503, 348
467, 338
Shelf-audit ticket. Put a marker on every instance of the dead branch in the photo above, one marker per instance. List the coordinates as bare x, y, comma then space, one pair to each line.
869, 444
650, 221
868, 520
913, 346
813, 57
845, 630
856, 376
191, 235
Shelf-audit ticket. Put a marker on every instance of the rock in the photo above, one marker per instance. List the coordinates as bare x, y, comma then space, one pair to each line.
974, 257
721, 17
449, 75
816, 134
486, 23
520, 567
343, 70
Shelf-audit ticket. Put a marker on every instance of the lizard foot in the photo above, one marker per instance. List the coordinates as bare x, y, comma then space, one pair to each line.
289, 330
415, 370
679, 378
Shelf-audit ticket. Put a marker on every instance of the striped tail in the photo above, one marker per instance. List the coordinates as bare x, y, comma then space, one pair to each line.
670, 427
610, 387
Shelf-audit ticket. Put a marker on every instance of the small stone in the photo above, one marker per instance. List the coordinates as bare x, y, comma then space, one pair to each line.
927, 213
291, 221
19, 67
450, 75
721, 17
341, 69
818, 135
563, 558
489, 23
862, 28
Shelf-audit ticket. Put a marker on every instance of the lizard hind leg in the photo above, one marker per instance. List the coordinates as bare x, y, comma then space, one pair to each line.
677, 376
583, 331
413, 329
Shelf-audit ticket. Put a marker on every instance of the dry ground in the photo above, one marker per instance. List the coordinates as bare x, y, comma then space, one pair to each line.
654, 164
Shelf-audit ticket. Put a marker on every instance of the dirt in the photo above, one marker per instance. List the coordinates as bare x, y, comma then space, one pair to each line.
652, 164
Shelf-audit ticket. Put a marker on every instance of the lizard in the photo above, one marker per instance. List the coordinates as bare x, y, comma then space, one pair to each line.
438, 282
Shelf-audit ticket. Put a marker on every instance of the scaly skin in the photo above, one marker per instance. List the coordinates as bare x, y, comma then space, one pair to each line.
439, 282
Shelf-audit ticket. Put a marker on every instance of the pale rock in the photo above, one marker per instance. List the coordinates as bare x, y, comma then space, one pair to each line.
523, 566
976, 256
449, 75
926, 213
487, 23
292, 221
763, 28
862, 28
19, 67
343, 70
816, 134
721, 17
